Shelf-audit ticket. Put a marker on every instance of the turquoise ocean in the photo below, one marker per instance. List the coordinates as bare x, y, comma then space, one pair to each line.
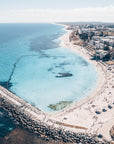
31, 59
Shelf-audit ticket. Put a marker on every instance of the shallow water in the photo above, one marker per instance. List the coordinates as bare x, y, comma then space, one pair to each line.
31, 60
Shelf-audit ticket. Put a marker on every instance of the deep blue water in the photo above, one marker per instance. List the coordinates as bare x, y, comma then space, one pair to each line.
31, 59
6, 123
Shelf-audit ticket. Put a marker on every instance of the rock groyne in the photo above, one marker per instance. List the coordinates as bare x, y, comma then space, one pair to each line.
41, 123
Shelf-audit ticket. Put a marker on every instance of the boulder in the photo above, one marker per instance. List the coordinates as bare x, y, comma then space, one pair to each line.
112, 132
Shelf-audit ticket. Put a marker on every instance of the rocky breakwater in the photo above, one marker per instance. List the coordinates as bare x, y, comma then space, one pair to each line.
40, 123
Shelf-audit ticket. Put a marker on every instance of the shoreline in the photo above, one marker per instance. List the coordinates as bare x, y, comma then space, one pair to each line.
78, 117
40, 124
94, 101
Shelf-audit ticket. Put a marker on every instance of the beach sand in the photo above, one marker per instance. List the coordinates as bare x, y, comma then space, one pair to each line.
96, 111
94, 114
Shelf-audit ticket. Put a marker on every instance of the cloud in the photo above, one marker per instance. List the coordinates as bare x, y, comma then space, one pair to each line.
104, 14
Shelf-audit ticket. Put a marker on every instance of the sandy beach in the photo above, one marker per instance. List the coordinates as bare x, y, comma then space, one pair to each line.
93, 114
96, 111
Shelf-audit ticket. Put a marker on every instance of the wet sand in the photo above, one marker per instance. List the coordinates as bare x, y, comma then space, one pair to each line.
96, 111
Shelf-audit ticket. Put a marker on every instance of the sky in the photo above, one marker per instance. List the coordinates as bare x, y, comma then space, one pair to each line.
56, 10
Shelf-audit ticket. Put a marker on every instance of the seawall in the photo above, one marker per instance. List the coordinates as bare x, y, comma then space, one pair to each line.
41, 123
